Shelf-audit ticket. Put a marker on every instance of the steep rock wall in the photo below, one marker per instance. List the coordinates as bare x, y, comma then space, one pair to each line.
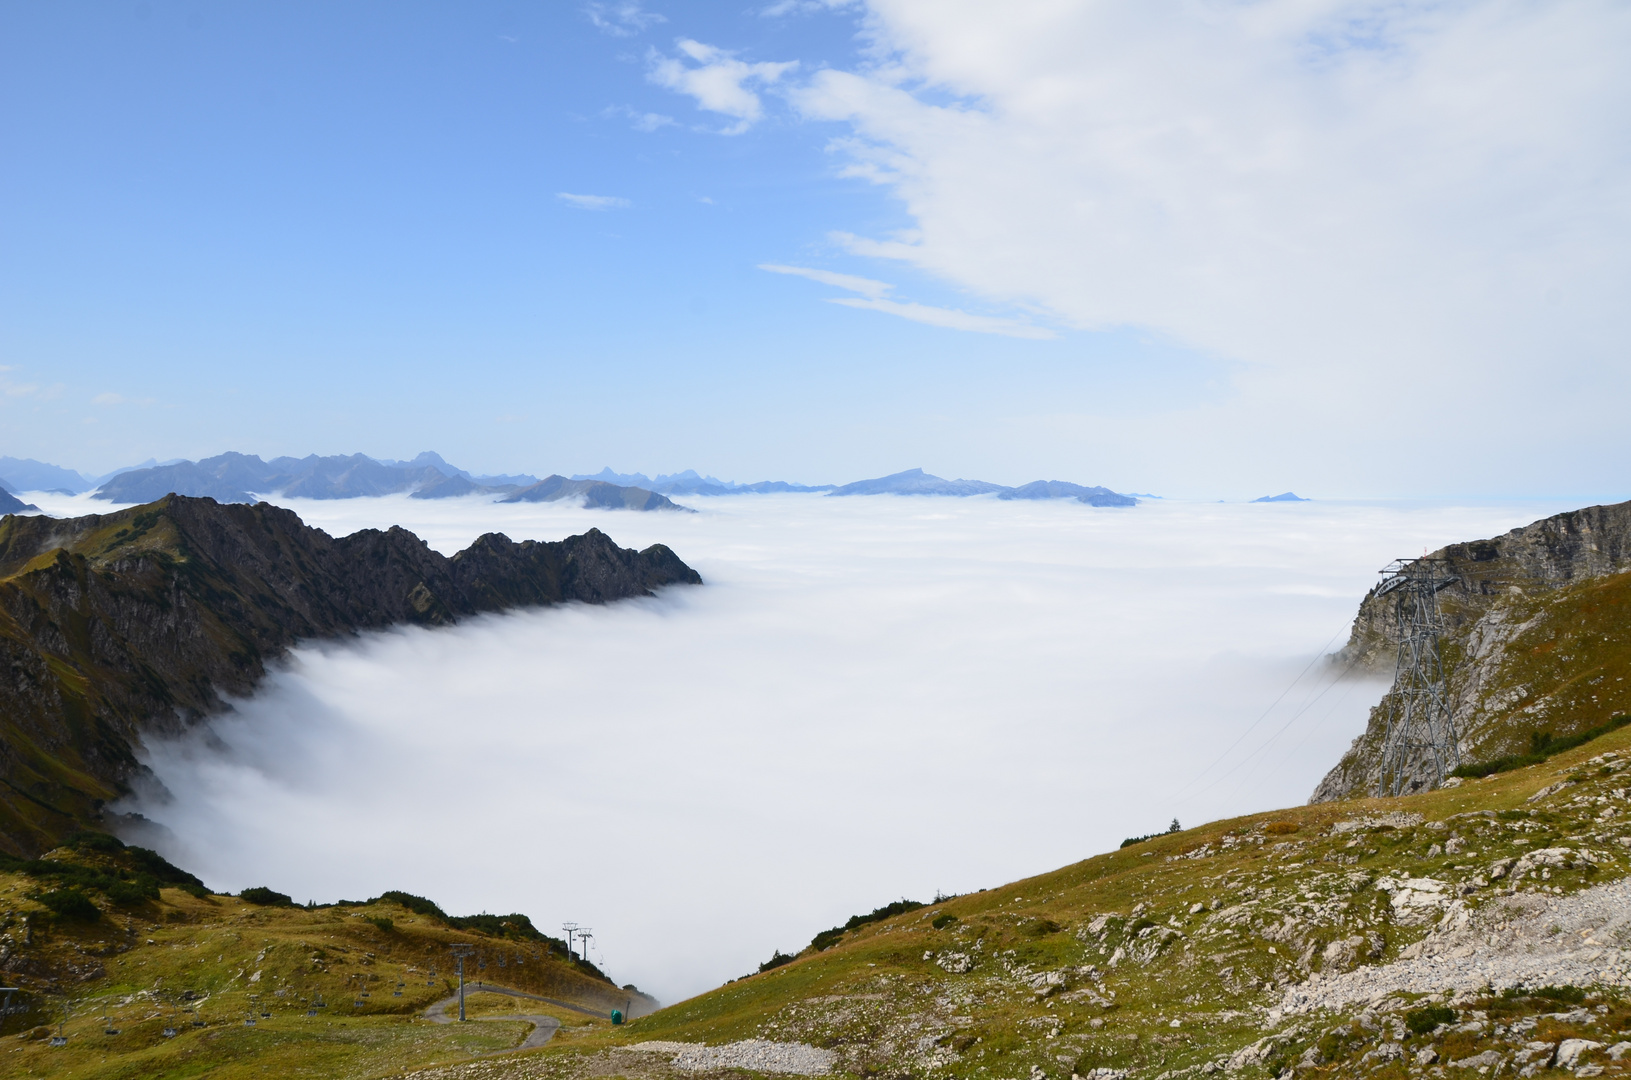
1537, 638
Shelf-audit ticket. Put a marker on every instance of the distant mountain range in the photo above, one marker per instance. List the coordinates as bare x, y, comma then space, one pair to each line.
689, 483
242, 478
26, 474
1284, 496
918, 482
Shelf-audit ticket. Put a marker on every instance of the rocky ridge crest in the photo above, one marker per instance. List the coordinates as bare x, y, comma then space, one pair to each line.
113, 625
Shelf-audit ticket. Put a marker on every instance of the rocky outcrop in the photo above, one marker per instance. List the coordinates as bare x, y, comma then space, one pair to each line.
119, 624
1535, 641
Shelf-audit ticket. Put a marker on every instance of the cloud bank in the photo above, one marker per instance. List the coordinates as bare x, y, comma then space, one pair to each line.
871, 698
1399, 224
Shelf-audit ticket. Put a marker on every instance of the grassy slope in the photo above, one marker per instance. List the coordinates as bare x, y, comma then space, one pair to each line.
190, 964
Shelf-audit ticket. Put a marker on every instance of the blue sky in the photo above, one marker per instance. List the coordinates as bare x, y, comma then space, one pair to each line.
1223, 243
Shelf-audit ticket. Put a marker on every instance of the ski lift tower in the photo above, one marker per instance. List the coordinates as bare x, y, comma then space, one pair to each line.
462, 951
1420, 721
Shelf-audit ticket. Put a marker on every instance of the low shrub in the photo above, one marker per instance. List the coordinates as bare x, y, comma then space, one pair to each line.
261, 896
383, 922
416, 904
776, 960
1542, 745
71, 905
1281, 828
943, 921
1131, 840
828, 938
1421, 1021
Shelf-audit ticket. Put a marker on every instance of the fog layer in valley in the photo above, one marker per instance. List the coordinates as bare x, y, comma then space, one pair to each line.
871, 698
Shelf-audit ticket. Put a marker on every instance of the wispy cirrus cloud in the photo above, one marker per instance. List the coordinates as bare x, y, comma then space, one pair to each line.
948, 318
718, 81
852, 282
874, 297
623, 19
640, 120
593, 202
805, 7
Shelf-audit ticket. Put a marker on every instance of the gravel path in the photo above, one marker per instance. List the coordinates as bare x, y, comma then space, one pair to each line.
543, 1027
1530, 939
755, 1054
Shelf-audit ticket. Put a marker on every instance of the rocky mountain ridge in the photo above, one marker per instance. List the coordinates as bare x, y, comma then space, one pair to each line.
113, 625
1535, 640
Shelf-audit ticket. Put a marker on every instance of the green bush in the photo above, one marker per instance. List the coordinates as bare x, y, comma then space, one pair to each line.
777, 959
94, 841
1421, 1021
71, 905
264, 897
943, 921
131, 893
1542, 745
828, 938
384, 922
416, 904
515, 926
1131, 840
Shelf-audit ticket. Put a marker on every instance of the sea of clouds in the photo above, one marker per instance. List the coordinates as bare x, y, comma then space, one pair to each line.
870, 698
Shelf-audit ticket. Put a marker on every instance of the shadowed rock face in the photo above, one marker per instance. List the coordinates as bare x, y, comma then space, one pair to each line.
1534, 641
118, 624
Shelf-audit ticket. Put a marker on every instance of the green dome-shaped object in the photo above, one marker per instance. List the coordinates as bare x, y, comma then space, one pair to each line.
617, 1016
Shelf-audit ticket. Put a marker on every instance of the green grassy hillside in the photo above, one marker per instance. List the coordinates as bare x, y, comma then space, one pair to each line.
143, 978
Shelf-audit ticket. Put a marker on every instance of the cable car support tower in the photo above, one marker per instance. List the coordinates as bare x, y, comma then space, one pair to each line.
1420, 720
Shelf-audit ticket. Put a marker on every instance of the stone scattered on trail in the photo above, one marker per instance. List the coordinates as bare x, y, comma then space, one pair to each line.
757, 1055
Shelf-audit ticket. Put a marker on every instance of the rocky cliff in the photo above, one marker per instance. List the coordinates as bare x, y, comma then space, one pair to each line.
118, 624
1537, 640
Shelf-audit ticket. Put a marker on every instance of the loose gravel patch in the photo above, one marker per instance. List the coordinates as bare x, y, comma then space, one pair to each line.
1530, 939
758, 1055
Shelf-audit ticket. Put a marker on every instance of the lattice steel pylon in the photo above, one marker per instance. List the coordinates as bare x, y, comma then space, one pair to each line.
1420, 719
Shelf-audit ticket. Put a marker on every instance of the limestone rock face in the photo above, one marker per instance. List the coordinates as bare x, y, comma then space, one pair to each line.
1534, 642
113, 625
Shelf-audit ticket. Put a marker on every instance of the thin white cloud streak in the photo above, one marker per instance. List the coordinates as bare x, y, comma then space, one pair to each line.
718, 82
871, 697
875, 300
593, 202
865, 286
624, 19
1403, 217
948, 318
